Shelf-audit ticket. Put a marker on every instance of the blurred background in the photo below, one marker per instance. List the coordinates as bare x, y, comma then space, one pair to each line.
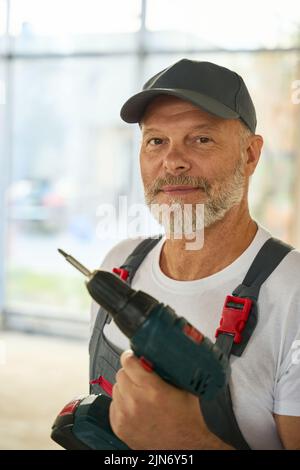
66, 67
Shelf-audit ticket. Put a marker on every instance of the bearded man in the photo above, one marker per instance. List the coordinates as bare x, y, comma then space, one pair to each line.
199, 149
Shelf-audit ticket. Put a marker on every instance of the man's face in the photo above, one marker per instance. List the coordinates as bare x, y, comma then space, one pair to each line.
189, 156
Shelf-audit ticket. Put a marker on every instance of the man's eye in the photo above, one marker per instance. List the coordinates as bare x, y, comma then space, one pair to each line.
155, 141
203, 140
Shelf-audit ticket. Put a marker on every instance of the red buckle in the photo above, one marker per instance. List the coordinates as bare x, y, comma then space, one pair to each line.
234, 316
103, 383
123, 273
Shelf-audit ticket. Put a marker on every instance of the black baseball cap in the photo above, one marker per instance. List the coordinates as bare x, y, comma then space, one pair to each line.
213, 88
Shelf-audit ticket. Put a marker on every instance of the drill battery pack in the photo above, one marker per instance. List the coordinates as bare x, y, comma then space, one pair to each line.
83, 424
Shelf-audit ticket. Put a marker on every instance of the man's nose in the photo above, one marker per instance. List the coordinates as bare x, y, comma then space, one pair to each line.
175, 161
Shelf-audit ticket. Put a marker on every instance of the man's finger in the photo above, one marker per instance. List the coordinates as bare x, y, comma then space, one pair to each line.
135, 370
125, 385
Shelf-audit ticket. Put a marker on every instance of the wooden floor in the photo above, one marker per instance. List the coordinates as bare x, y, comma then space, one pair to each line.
38, 376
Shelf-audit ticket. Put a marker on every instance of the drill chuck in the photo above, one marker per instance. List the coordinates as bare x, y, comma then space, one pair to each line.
129, 308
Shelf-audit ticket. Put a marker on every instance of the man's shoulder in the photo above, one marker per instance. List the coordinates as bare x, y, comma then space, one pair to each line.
116, 256
292, 261
288, 272
288, 269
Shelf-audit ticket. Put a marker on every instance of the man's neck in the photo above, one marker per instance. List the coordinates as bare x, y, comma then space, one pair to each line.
224, 242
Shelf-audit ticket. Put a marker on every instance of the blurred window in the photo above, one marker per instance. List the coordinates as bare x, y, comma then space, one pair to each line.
68, 25
3, 25
3, 6
66, 161
223, 25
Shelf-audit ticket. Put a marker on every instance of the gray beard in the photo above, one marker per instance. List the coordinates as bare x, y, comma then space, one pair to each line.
226, 194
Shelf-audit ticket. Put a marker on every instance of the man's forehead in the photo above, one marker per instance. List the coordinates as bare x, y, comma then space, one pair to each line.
166, 107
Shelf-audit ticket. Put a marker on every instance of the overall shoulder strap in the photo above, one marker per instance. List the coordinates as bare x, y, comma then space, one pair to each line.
265, 262
218, 413
131, 265
135, 259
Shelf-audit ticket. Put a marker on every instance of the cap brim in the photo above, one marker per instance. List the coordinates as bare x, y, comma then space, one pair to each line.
134, 108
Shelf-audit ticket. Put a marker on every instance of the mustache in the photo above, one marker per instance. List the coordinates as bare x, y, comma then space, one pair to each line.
181, 180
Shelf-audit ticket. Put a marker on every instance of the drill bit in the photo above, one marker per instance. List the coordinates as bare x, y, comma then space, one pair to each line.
75, 263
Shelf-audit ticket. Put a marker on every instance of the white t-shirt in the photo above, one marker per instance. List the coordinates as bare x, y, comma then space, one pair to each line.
266, 378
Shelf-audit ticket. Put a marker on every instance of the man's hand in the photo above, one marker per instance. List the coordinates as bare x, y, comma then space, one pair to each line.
148, 413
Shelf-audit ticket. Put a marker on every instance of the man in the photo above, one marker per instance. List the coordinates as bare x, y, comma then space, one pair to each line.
199, 147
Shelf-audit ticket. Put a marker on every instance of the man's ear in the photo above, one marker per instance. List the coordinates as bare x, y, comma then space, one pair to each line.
254, 145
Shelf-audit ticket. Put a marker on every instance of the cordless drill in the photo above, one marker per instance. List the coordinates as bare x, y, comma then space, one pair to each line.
169, 344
